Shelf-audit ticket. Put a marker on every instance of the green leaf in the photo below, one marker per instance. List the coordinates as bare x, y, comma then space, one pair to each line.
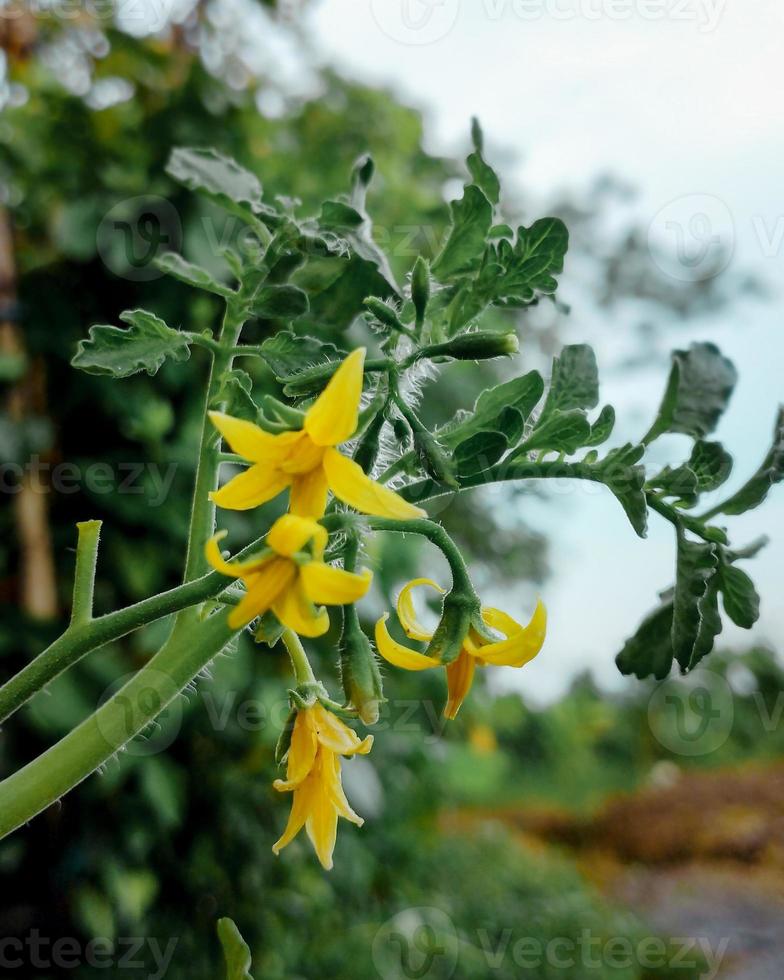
740, 597
710, 624
336, 214
480, 451
504, 408
621, 473
699, 388
288, 354
649, 652
679, 482
530, 266
753, 492
235, 951
482, 173
218, 177
563, 432
235, 394
471, 220
711, 465
193, 275
602, 428
696, 566
144, 346
574, 382
279, 303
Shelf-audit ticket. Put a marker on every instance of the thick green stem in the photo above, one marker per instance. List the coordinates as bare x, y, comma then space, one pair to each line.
84, 574
303, 672
126, 714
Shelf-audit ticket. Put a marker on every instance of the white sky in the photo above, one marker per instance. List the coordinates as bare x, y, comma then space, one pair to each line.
684, 98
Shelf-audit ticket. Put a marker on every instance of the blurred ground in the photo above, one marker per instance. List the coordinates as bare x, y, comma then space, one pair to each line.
693, 854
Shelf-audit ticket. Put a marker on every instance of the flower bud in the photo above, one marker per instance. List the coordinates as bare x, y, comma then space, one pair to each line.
420, 288
477, 346
360, 675
384, 313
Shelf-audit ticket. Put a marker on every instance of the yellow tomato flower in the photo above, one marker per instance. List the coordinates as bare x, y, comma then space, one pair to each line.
288, 582
307, 460
519, 645
313, 775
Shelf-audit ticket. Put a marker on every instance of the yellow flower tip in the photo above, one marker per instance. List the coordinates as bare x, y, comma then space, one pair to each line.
333, 417
214, 556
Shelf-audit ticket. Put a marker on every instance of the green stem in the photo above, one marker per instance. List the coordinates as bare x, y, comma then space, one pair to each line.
303, 672
80, 639
84, 574
461, 580
126, 714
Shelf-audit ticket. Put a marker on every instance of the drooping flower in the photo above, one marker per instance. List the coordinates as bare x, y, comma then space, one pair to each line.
288, 580
313, 775
515, 647
306, 460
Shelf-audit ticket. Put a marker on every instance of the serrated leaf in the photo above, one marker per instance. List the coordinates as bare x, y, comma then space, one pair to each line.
480, 451
531, 264
236, 953
575, 380
472, 216
217, 176
279, 303
711, 465
648, 653
696, 567
176, 266
289, 354
621, 473
602, 428
700, 385
491, 413
336, 214
755, 490
234, 393
740, 597
119, 353
563, 432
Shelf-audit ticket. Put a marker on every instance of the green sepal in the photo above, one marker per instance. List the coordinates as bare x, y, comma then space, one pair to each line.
360, 674
283, 744
458, 611
236, 953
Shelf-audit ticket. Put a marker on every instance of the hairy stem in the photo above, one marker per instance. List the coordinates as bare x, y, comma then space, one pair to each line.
84, 575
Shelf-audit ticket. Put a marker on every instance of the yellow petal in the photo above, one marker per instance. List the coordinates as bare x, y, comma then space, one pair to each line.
250, 441
330, 586
349, 484
294, 610
309, 493
398, 655
335, 735
522, 643
264, 587
406, 612
300, 808
289, 534
338, 796
302, 751
333, 416
459, 678
252, 488
322, 824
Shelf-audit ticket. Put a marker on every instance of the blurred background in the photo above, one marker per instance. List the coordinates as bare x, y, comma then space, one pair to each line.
570, 823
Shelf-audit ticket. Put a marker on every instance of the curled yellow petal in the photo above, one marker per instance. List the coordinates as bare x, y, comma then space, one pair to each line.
297, 612
523, 643
264, 587
397, 654
350, 484
250, 441
459, 678
330, 586
338, 796
302, 751
289, 534
333, 416
254, 487
309, 493
335, 735
406, 612
236, 569
300, 808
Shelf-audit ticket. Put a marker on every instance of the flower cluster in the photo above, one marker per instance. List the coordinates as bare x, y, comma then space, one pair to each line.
290, 578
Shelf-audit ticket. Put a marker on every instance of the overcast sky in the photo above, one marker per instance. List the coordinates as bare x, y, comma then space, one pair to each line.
684, 98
